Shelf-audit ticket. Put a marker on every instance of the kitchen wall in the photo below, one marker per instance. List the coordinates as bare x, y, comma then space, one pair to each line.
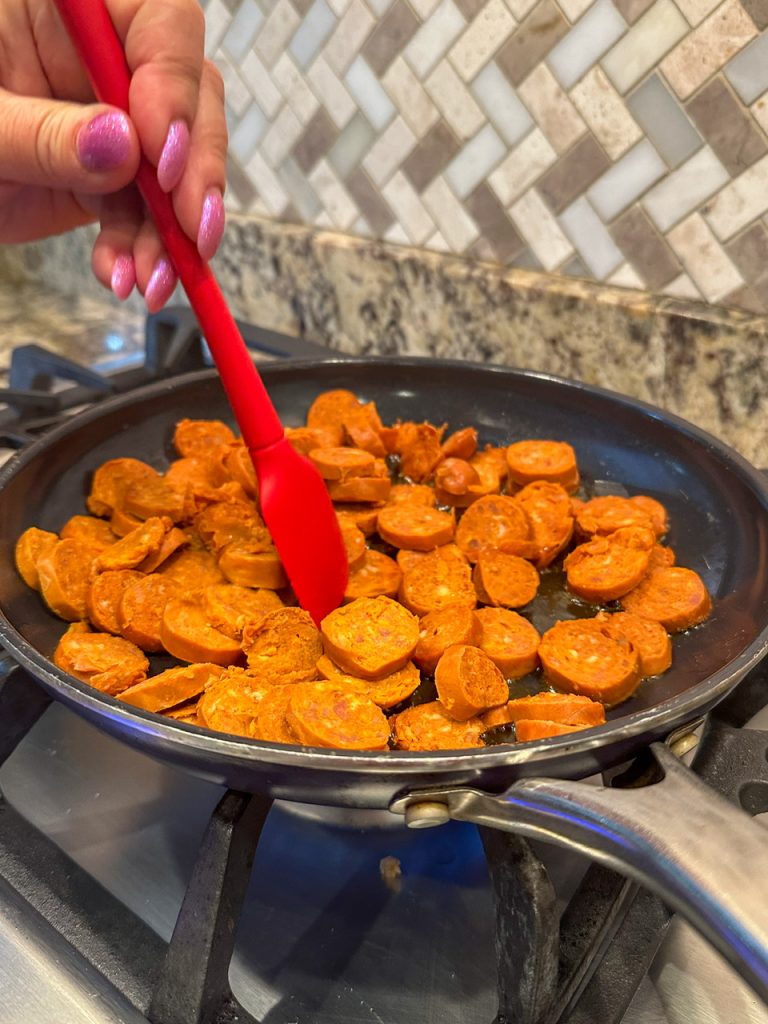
619, 140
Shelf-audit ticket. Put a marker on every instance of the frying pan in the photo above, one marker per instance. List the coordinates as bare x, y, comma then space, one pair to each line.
702, 855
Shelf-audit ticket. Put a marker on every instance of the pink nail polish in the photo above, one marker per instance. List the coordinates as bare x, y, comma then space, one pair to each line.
105, 142
161, 285
211, 228
173, 159
123, 277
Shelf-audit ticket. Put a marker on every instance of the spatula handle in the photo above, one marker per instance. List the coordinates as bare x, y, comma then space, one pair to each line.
96, 41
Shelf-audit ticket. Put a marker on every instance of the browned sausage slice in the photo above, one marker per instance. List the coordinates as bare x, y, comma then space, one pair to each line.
109, 663
30, 546
104, 596
529, 729
283, 647
230, 704
231, 608
674, 596
437, 580
111, 480
416, 527
370, 637
135, 546
342, 463
578, 657
377, 575
566, 708
186, 635
509, 640
649, 638
90, 530
441, 629
172, 687
325, 716
387, 691
495, 522
504, 580
65, 571
141, 609
429, 727
468, 682
197, 438
606, 568
554, 461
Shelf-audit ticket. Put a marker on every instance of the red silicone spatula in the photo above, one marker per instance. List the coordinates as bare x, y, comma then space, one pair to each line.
294, 502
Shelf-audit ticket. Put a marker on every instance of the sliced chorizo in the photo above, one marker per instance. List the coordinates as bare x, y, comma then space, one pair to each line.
377, 575
362, 428
548, 507
186, 634
330, 408
111, 480
272, 720
306, 439
231, 608
141, 609
418, 445
172, 687
406, 559
173, 540
249, 565
196, 438
154, 497
461, 444
65, 571
364, 518
419, 494
132, 549
441, 629
430, 727
104, 596
415, 527
649, 638
578, 657
90, 530
325, 716
606, 568
193, 569
283, 647
239, 464
370, 637
435, 581
506, 581
366, 489
674, 596
109, 663
121, 523
230, 703
604, 515
354, 544
342, 463
655, 510
495, 522
566, 708
529, 729
554, 461
468, 682
661, 557
509, 640
31, 546
226, 521
386, 691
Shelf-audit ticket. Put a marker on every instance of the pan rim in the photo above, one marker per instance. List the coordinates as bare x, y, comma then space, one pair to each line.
659, 719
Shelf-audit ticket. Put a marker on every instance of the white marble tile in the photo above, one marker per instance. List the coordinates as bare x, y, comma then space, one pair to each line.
408, 208
748, 71
388, 152
626, 180
331, 92
261, 83
591, 239
302, 195
540, 229
366, 90
475, 161
703, 258
500, 104
349, 36
454, 101
244, 139
626, 277
323, 220
379, 7
424, 7
274, 34
270, 190
551, 109
652, 35
456, 226
588, 40
605, 113
408, 94
682, 288
316, 26
335, 199
293, 86
362, 227
573, 9
351, 146
437, 243
217, 21
485, 34
740, 202
524, 165
243, 28
281, 137
695, 11
708, 47
339, 6
396, 235
237, 92
685, 189
432, 40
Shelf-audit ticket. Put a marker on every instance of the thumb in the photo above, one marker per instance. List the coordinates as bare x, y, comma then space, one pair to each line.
85, 148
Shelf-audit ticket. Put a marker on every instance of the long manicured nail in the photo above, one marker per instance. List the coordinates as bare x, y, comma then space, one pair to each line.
161, 285
211, 228
123, 277
173, 159
105, 142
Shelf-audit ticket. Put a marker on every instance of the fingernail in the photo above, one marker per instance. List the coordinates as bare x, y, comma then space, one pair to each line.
123, 277
161, 285
173, 159
105, 142
211, 228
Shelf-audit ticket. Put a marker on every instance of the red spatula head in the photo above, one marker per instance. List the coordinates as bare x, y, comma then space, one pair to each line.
299, 515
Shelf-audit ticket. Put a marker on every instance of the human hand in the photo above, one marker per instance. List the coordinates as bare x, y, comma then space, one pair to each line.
66, 160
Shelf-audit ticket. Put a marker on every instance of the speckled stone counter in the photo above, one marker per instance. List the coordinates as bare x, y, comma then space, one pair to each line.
707, 364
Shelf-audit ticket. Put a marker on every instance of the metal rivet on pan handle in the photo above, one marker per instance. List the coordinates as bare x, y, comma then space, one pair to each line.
426, 814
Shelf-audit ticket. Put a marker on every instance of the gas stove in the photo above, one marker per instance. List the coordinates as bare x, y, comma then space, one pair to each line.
132, 892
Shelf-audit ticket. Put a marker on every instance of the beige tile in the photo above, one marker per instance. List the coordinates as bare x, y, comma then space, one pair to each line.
708, 48
740, 202
409, 209
348, 37
704, 259
323, 220
759, 110
336, 201
604, 111
397, 235
437, 243
338, 7
482, 39
540, 229
281, 137
695, 11
406, 92
522, 167
458, 229
573, 9
645, 44
292, 85
271, 192
454, 101
388, 152
626, 277
551, 109
424, 7
683, 288
273, 36
531, 41
331, 92
261, 83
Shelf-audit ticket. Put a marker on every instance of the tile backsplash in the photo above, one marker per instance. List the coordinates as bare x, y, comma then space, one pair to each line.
618, 140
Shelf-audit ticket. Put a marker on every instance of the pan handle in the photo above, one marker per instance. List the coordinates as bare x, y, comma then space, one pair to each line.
703, 856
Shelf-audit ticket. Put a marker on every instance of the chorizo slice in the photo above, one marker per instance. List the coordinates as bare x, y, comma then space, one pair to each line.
377, 575
230, 703
554, 461
364, 518
462, 444
186, 634
549, 509
430, 727
186, 712
272, 721
386, 692
608, 513
509, 640
565, 708
109, 663
406, 559
441, 629
155, 497
342, 463
373, 490
141, 609
31, 546
455, 480
305, 439
249, 565
173, 540
415, 527
121, 523
655, 511
362, 429
330, 408
104, 596
491, 466
325, 716
111, 480
132, 549
468, 682
197, 438
231, 608
674, 596
529, 729
190, 474
649, 638
579, 657
506, 581
435, 581
661, 557
225, 521
283, 647
418, 445
90, 530
419, 494
239, 464
172, 687
65, 571
606, 568
193, 569
495, 522
354, 544
370, 637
